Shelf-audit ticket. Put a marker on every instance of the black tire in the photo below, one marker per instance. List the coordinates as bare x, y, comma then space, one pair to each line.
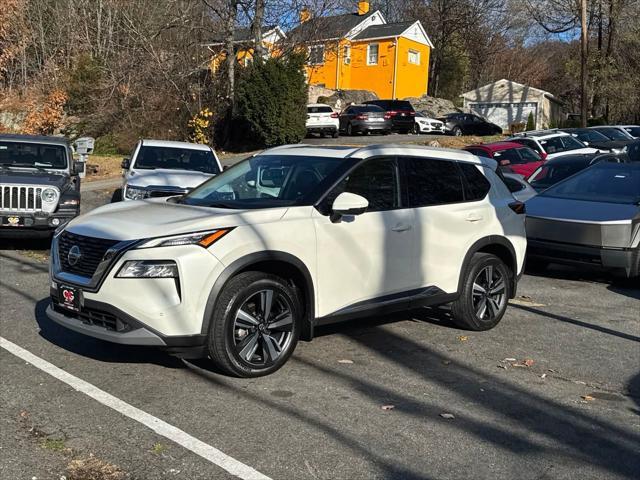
335, 134
467, 311
349, 129
416, 129
456, 131
117, 196
225, 340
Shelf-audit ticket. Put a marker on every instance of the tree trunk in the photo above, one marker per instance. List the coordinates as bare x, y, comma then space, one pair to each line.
230, 51
583, 64
256, 31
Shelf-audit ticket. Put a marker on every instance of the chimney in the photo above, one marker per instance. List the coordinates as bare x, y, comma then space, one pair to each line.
305, 15
363, 7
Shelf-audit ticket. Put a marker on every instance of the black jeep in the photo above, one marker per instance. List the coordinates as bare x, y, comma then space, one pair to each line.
39, 184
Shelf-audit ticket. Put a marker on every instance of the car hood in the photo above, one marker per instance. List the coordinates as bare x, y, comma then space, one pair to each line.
579, 210
573, 152
157, 218
34, 177
167, 178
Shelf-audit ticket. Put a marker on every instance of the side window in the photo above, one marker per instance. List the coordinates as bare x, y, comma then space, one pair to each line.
476, 186
511, 155
376, 180
433, 182
478, 152
513, 185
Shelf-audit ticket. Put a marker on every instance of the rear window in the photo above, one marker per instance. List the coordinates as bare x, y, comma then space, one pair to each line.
392, 104
370, 108
323, 109
476, 184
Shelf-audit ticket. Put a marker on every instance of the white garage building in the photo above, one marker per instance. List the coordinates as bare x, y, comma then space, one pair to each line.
506, 102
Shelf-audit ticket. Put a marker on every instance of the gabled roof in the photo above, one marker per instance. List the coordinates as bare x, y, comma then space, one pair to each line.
384, 31
326, 28
243, 35
504, 83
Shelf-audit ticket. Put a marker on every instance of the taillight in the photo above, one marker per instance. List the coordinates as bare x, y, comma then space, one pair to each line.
392, 113
362, 117
518, 207
334, 115
387, 116
412, 114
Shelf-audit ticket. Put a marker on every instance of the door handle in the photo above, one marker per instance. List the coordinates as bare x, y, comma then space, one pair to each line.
473, 217
401, 228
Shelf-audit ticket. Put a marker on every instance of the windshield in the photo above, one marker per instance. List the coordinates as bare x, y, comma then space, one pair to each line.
591, 136
267, 181
633, 131
33, 155
605, 182
150, 158
613, 134
550, 174
562, 143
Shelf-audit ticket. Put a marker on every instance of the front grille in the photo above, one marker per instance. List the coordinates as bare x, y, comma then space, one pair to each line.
92, 251
165, 193
20, 198
93, 316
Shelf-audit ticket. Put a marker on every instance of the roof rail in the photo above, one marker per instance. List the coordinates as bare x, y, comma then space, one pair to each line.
536, 132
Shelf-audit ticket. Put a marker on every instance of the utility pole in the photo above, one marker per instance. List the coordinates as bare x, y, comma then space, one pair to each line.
583, 65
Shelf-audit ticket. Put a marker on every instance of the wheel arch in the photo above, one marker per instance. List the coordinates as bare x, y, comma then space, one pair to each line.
275, 262
498, 246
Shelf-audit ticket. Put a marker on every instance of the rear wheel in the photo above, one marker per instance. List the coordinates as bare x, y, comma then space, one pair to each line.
349, 129
416, 129
457, 131
335, 134
485, 293
117, 195
255, 325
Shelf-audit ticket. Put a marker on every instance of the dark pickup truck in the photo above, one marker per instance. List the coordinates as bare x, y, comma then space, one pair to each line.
39, 184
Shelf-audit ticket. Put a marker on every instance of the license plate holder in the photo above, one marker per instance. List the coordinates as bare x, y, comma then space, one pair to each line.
69, 297
12, 221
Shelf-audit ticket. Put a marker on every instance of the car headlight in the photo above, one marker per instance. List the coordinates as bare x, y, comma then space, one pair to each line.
148, 269
49, 195
135, 193
203, 239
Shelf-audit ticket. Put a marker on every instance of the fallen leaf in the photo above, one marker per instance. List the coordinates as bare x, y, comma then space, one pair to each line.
462, 338
588, 398
447, 415
387, 407
344, 360
528, 362
544, 375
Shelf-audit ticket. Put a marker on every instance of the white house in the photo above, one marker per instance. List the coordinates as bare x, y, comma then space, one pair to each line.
506, 102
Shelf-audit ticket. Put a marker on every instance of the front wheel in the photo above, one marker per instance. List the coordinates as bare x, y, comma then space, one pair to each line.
255, 325
485, 294
416, 129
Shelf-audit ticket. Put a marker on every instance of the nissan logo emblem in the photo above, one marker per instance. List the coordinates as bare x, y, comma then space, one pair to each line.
74, 255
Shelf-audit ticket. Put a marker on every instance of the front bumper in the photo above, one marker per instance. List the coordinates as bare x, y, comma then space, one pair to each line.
620, 259
31, 221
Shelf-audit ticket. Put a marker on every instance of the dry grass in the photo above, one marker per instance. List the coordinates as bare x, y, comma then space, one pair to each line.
101, 167
461, 142
92, 468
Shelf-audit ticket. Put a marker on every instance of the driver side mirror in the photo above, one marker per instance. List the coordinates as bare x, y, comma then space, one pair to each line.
126, 163
348, 204
78, 168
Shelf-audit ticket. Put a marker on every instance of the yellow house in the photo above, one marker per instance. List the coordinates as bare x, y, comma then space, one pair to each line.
272, 36
361, 51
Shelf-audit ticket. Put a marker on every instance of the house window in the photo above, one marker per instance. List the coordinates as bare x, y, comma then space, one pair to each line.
316, 55
414, 57
347, 54
372, 53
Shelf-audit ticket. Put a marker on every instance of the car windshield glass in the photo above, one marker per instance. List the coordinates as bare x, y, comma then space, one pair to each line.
591, 136
561, 144
33, 155
528, 155
604, 182
613, 134
266, 181
633, 131
150, 158
549, 174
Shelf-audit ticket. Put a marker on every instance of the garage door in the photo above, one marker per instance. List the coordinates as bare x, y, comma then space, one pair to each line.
505, 114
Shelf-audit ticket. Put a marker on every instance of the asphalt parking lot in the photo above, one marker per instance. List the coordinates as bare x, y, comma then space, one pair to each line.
552, 393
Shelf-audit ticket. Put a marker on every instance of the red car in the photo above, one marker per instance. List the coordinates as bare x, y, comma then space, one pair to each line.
520, 159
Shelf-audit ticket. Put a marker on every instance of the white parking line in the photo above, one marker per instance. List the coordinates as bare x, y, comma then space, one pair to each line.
161, 427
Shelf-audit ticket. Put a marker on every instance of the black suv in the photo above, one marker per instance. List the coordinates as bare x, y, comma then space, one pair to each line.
469, 124
401, 112
39, 184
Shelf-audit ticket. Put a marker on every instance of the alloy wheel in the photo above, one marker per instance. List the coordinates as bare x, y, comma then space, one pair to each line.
263, 328
489, 293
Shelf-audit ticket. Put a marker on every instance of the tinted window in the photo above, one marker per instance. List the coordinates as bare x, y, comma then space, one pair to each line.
322, 109
433, 182
529, 143
561, 144
511, 155
478, 152
476, 186
375, 180
633, 131
371, 108
528, 155
613, 133
513, 185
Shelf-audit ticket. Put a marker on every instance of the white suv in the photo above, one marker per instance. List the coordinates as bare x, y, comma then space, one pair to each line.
322, 119
254, 259
552, 143
160, 168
